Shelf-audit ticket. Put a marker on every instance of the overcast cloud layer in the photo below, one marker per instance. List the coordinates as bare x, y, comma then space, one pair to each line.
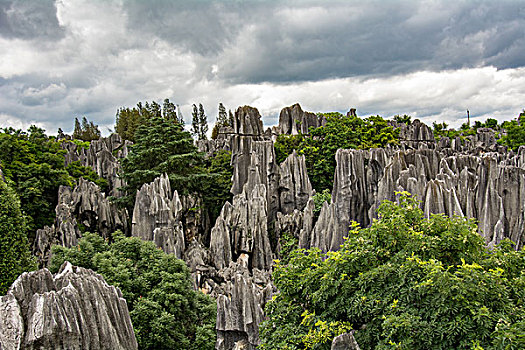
430, 59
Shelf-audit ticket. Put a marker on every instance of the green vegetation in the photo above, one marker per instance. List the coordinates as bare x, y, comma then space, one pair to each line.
319, 199
441, 129
199, 123
129, 119
166, 312
222, 120
33, 164
320, 146
14, 248
515, 136
87, 131
162, 146
406, 282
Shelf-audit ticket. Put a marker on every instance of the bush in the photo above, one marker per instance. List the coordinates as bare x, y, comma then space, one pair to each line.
165, 311
406, 282
15, 257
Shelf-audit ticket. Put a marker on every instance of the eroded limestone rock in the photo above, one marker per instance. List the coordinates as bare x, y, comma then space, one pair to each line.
74, 309
157, 216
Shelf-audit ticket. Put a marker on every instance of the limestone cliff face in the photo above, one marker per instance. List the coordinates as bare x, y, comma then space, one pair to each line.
85, 205
157, 216
74, 309
293, 120
103, 157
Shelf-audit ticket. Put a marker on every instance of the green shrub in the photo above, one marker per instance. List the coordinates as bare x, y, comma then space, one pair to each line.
406, 282
165, 311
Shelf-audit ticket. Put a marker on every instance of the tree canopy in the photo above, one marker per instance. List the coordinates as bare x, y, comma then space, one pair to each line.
320, 146
129, 119
162, 146
88, 131
34, 164
14, 247
165, 311
405, 282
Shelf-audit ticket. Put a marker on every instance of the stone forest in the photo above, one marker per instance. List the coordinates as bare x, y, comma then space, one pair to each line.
326, 231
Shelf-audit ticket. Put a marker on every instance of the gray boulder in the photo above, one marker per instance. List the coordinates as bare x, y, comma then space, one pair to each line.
74, 309
293, 120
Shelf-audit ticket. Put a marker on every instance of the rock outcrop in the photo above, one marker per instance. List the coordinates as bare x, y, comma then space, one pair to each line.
345, 341
293, 120
85, 205
74, 309
103, 157
157, 216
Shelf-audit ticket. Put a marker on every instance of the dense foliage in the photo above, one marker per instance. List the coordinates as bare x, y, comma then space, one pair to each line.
515, 136
320, 146
34, 164
165, 311
15, 256
222, 120
406, 282
88, 131
129, 119
162, 146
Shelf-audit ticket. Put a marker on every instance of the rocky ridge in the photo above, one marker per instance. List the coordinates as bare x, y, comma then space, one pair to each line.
74, 309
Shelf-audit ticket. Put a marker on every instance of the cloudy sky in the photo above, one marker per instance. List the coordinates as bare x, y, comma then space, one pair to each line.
430, 59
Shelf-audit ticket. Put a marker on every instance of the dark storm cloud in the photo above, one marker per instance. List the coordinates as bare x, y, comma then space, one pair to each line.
66, 58
381, 38
26, 19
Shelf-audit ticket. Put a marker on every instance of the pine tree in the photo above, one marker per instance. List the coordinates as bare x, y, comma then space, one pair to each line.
77, 131
203, 123
222, 118
230, 117
161, 146
195, 122
169, 111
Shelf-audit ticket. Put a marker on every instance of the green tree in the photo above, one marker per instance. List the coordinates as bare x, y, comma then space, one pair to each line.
203, 123
195, 129
222, 120
405, 282
34, 165
320, 146
15, 256
129, 119
88, 131
162, 146
515, 136
165, 311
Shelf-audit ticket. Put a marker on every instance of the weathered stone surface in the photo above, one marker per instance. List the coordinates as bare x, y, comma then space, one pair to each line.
356, 181
247, 128
294, 184
75, 309
85, 205
345, 341
242, 228
103, 157
157, 216
240, 304
488, 186
293, 120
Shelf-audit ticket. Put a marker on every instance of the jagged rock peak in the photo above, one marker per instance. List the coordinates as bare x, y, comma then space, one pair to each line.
240, 306
86, 205
157, 216
293, 120
247, 121
241, 229
294, 184
74, 309
345, 341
